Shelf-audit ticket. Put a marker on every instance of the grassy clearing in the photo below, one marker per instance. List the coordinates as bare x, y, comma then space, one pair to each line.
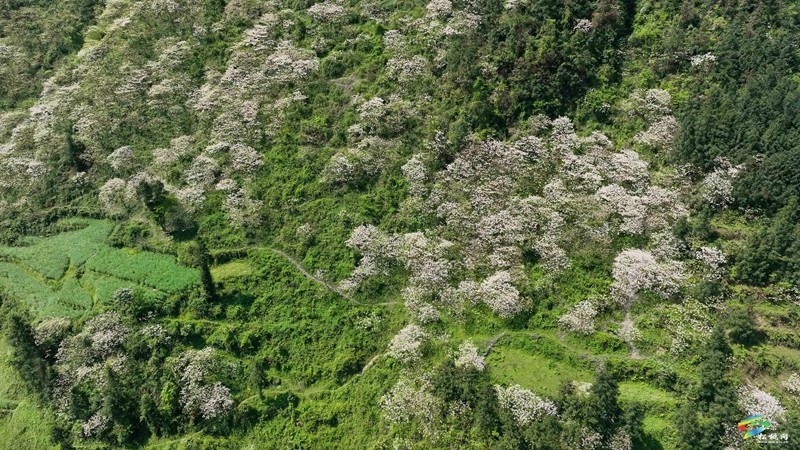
657, 401
233, 269
538, 373
43, 300
52, 256
44, 273
73, 295
663, 431
105, 286
153, 270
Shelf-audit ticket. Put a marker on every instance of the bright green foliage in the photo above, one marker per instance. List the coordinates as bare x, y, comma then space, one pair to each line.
104, 287
36, 294
95, 271
23, 421
305, 365
52, 257
148, 269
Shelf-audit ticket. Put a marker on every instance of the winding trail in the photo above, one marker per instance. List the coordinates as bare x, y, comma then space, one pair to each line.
322, 282
314, 278
627, 323
299, 266
492, 343
371, 361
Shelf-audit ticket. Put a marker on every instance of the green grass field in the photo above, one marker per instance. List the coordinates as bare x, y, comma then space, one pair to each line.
72, 272
153, 270
540, 374
52, 256
233, 269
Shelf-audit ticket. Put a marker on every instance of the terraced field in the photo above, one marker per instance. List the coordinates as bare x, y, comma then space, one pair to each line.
72, 272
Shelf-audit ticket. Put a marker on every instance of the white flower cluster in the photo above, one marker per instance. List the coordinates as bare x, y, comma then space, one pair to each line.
328, 11
483, 203
420, 255
440, 8
95, 425
165, 158
467, 357
651, 104
580, 318
699, 60
660, 134
409, 400
621, 441
583, 26
242, 210
717, 187
83, 357
514, 4
500, 295
755, 401
665, 245
121, 158
245, 159
156, 332
407, 343
652, 210
638, 270
443, 20
371, 144
394, 41
417, 303
416, 175
356, 163
18, 171
655, 107
198, 397
202, 173
524, 405
113, 196
590, 440
131, 83
51, 330
582, 388
714, 261
406, 70
792, 384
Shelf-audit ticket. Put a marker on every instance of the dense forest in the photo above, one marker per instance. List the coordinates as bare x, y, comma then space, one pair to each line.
400, 224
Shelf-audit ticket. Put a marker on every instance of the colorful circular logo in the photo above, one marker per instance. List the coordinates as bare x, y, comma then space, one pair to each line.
754, 425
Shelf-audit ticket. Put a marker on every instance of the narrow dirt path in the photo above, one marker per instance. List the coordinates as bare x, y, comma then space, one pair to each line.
492, 343
371, 361
322, 282
314, 278
628, 324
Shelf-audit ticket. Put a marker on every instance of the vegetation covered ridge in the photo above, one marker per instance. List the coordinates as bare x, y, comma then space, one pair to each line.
440, 224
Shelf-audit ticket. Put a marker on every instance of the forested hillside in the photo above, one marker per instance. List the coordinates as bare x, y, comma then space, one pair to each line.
399, 224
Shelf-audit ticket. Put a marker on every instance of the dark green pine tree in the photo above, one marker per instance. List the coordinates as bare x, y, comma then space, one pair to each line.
204, 262
712, 405
773, 252
604, 413
196, 254
26, 356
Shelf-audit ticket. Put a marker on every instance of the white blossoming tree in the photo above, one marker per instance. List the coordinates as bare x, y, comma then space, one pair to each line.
524, 405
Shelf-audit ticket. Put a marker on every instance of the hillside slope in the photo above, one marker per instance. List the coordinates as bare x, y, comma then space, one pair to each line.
381, 224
